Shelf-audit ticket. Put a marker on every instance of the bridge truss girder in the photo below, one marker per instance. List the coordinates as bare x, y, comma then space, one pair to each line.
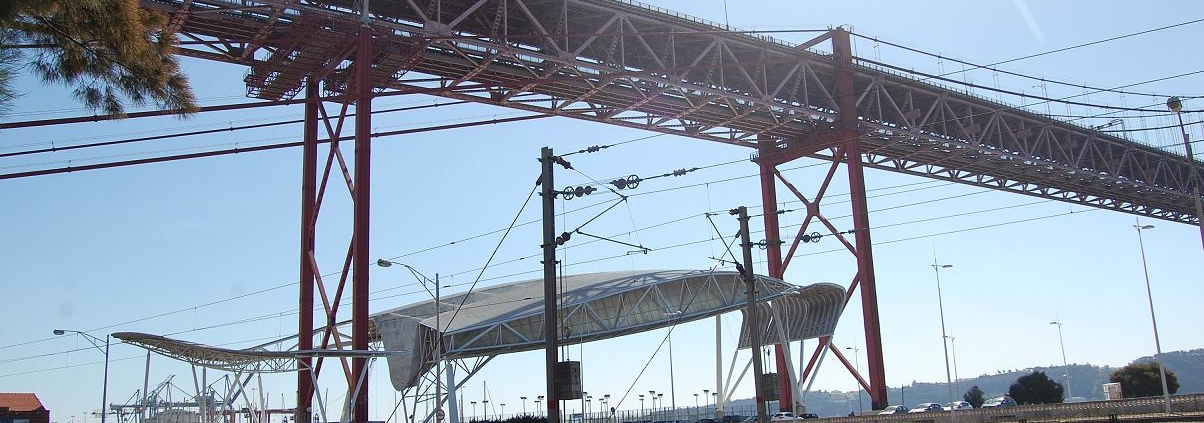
631, 66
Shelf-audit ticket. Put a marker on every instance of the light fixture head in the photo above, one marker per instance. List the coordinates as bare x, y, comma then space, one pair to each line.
1140, 227
1174, 104
383, 263
59, 332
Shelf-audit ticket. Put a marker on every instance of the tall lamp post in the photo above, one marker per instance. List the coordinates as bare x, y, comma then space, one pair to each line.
524, 404
1166, 396
438, 355
104, 390
1176, 106
941, 306
1065, 366
857, 367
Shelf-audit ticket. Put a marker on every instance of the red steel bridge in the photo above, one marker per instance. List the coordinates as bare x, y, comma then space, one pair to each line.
624, 63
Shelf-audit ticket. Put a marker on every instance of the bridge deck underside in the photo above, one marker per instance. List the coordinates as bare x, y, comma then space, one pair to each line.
626, 64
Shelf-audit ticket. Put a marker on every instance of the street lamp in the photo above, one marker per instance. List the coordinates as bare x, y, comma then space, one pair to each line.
941, 306
1065, 366
524, 404
641, 405
1176, 106
857, 367
485, 408
538, 407
438, 355
503, 410
104, 392
1166, 396
474, 410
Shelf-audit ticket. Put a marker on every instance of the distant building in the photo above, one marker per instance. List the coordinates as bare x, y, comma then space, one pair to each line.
22, 408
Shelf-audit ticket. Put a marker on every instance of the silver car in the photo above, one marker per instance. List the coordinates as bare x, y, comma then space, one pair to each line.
894, 409
958, 405
926, 407
1004, 401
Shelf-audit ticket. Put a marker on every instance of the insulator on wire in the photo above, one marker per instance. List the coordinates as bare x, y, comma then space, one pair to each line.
680, 172
632, 182
570, 193
812, 237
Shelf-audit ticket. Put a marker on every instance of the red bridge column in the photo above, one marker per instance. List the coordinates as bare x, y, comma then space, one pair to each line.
773, 258
847, 101
305, 306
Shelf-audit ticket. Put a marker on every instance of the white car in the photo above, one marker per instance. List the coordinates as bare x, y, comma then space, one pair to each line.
958, 405
782, 416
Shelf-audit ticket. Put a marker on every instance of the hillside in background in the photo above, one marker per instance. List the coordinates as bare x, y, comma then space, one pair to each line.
1086, 381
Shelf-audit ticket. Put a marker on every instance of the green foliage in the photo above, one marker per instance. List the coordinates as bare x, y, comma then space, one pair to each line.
109, 51
9, 59
1143, 380
974, 396
1036, 388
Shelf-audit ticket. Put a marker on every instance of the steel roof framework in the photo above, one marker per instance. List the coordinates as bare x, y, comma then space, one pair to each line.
628, 64
509, 318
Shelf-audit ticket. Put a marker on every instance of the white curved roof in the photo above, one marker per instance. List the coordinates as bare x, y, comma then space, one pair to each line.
509, 318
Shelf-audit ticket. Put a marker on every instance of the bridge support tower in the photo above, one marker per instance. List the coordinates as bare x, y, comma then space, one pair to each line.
844, 140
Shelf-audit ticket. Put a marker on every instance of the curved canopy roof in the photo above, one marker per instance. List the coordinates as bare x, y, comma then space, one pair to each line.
509, 318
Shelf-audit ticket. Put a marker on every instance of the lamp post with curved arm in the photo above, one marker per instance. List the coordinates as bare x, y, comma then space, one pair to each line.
944, 343
104, 393
1166, 396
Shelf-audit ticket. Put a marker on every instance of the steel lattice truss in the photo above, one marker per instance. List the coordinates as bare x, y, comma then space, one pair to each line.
628, 64
244, 360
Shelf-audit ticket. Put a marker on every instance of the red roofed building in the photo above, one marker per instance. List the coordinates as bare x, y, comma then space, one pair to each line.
22, 408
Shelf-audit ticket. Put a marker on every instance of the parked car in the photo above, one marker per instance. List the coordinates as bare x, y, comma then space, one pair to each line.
733, 418
926, 407
707, 420
894, 409
958, 405
1004, 401
782, 416
808, 416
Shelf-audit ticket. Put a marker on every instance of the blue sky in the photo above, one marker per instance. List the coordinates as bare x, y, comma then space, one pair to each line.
205, 249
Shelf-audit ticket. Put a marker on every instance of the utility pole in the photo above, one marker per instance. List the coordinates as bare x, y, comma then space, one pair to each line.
550, 316
754, 324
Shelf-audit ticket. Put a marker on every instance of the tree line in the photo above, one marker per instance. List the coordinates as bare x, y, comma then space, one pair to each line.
1136, 380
